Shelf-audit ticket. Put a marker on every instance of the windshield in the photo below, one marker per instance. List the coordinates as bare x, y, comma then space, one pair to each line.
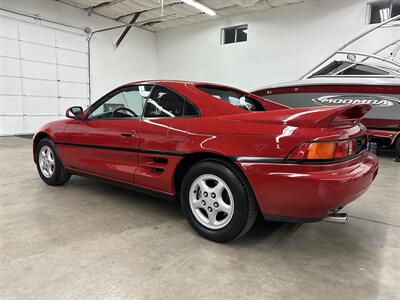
233, 97
349, 68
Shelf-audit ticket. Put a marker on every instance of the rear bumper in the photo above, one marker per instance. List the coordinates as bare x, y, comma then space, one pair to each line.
305, 192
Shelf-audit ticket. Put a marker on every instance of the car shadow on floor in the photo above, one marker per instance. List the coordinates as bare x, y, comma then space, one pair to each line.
170, 210
263, 230
158, 210
129, 199
386, 153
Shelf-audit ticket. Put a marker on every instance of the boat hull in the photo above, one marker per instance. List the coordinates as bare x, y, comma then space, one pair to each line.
383, 120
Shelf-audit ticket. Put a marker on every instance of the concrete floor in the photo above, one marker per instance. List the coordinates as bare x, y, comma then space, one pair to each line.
88, 240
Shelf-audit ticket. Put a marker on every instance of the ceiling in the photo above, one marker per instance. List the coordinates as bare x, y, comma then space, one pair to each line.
178, 12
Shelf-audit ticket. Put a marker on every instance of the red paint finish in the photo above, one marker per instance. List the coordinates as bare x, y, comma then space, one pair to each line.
309, 191
332, 88
147, 152
380, 123
390, 136
118, 165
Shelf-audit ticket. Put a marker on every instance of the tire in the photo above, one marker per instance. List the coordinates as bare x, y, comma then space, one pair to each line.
397, 149
49, 165
217, 201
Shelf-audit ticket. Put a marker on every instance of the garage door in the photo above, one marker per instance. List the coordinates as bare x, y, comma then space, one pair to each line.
42, 72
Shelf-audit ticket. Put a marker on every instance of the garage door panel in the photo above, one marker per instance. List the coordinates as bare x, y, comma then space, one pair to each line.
11, 125
10, 86
8, 28
9, 67
72, 74
33, 123
39, 70
71, 41
65, 103
40, 106
36, 34
71, 58
9, 48
34, 87
11, 105
71, 90
38, 53
43, 71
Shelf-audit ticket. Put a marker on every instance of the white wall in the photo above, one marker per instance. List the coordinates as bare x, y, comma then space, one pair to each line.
283, 43
133, 60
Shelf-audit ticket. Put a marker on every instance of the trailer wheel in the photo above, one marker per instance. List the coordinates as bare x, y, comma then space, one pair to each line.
397, 149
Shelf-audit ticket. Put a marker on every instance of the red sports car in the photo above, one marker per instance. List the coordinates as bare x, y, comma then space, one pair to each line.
227, 155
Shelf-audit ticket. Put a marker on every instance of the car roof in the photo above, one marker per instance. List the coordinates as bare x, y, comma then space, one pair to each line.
171, 83
207, 103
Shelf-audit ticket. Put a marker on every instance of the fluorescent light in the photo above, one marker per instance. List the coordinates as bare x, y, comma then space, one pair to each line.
201, 7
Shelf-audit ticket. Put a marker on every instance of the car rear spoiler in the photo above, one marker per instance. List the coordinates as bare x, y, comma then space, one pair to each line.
321, 116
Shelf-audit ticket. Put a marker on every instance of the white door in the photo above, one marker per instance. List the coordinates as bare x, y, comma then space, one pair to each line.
42, 72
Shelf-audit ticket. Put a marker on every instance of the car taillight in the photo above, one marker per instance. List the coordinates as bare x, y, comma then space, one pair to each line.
321, 151
343, 149
327, 150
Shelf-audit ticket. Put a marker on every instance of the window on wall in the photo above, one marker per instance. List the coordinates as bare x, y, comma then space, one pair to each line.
382, 10
235, 34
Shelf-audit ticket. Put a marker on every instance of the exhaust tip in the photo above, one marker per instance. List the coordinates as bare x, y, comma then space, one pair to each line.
336, 217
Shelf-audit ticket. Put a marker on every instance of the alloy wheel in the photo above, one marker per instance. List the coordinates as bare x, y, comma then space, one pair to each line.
211, 201
46, 161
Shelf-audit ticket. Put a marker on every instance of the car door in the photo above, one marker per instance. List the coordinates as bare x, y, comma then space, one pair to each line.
162, 136
109, 137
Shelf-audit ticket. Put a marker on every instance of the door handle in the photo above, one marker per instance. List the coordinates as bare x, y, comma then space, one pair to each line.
128, 134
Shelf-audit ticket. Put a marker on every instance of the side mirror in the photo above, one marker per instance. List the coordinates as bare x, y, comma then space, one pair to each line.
75, 112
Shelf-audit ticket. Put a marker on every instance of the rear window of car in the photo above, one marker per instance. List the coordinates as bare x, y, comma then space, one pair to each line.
233, 97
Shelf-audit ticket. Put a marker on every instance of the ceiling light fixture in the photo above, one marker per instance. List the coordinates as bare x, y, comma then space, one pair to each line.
201, 7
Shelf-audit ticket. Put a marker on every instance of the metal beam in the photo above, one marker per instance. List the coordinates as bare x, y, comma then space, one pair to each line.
95, 13
102, 4
143, 11
126, 30
101, 15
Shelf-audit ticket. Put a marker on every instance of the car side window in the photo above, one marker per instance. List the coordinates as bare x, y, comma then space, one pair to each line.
127, 103
190, 110
164, 103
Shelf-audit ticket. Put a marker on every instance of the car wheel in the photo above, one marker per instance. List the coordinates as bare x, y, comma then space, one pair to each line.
217, 201
49, 165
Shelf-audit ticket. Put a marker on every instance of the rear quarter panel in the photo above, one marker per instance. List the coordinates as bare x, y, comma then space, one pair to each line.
236, 138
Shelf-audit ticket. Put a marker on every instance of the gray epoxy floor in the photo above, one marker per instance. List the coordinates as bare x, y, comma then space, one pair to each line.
88, 240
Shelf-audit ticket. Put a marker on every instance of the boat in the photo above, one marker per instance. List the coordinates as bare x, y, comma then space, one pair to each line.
347, 77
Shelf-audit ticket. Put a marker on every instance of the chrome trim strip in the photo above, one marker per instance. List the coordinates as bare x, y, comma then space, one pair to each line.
256, 159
